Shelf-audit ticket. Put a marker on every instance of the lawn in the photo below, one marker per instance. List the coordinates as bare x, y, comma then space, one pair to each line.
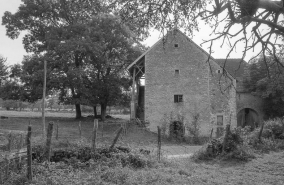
265, 169
69, 128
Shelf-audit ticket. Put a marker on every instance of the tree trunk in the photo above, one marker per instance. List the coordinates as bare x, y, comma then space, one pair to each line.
78, 111
95, 111
103, 111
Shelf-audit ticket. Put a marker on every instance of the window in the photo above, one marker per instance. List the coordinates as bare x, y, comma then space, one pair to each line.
176, 45
219, 120
178, 98
219, 71
176, 72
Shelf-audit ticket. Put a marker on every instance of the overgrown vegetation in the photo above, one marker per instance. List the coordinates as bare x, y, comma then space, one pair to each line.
244, 144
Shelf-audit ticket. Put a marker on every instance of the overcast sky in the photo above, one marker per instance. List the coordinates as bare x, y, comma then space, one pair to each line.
14, 51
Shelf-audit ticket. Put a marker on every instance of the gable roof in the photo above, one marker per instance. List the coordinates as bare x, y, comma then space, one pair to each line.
160, 40
235, 66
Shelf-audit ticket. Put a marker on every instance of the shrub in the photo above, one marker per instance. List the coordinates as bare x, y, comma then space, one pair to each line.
276, 126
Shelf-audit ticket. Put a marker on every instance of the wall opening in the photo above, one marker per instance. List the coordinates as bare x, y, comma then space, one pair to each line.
177, 130
248, 117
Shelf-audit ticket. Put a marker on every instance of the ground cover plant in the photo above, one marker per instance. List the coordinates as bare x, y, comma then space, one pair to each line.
245, 143
72, 161
122, 166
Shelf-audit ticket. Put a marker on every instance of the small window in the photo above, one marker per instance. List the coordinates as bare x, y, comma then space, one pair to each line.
176, 45
176, 72
220, 120
178, 98
219, 71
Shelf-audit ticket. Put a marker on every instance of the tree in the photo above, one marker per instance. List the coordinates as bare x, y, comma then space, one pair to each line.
49, 23
86, 49
266, 79
3, 69
106, 78
252, 22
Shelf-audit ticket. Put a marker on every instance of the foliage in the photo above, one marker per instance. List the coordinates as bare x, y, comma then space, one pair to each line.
243, 143
194, 127
276, 126
265, 79
232, 22
3, 69
87, 48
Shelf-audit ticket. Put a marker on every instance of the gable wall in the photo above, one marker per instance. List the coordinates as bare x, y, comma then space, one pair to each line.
193, 83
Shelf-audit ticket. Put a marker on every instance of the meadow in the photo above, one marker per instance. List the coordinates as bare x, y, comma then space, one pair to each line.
265, 168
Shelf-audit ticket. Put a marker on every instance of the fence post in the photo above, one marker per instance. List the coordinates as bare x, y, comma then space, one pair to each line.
29, 153
80, 130
159, 143
116, 138
48, 141
211, 134
7, 168
94, 139
1, 179
9, 141
103, 129
57, 125
226, 137
260, 132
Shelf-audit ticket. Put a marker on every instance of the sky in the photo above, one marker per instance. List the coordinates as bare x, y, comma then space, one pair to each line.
14, 50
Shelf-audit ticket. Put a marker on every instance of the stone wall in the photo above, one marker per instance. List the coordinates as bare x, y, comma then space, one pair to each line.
194, 81
247, 100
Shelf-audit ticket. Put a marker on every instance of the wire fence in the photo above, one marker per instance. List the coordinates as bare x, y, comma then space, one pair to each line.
15, 153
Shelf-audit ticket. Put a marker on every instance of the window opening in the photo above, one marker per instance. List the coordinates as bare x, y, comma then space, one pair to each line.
176, 72
178, 98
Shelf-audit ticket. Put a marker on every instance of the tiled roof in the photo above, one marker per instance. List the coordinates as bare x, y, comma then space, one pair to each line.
233, 65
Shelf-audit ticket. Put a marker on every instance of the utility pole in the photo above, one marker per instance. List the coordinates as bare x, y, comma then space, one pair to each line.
43, 101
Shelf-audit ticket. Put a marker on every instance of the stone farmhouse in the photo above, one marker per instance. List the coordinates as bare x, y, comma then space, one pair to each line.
176, 85
249, 107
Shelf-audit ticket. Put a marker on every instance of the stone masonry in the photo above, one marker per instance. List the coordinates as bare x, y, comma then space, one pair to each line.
177, 66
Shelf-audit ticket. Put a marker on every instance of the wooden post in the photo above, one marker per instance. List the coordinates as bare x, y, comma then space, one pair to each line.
43, 100
159, 143
29, 153
260, 132
94, 139
116, 138
1, 178
103, 129
211, 134
21, 141
80, 130
226, 137
7, 168
9, 141
57, 127
132, 106
48, 141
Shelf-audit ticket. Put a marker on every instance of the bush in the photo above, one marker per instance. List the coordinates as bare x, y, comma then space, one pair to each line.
276, 126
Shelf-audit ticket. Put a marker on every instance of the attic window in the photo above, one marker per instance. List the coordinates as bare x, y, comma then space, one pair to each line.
176, 45
219, 71
176, 72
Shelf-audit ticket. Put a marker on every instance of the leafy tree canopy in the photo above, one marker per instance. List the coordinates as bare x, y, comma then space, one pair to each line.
266, 79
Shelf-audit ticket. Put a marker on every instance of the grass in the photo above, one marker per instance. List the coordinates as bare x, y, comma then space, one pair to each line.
69, 130
265, 170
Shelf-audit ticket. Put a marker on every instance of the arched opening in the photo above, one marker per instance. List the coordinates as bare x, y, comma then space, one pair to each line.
177, 130
248, 117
